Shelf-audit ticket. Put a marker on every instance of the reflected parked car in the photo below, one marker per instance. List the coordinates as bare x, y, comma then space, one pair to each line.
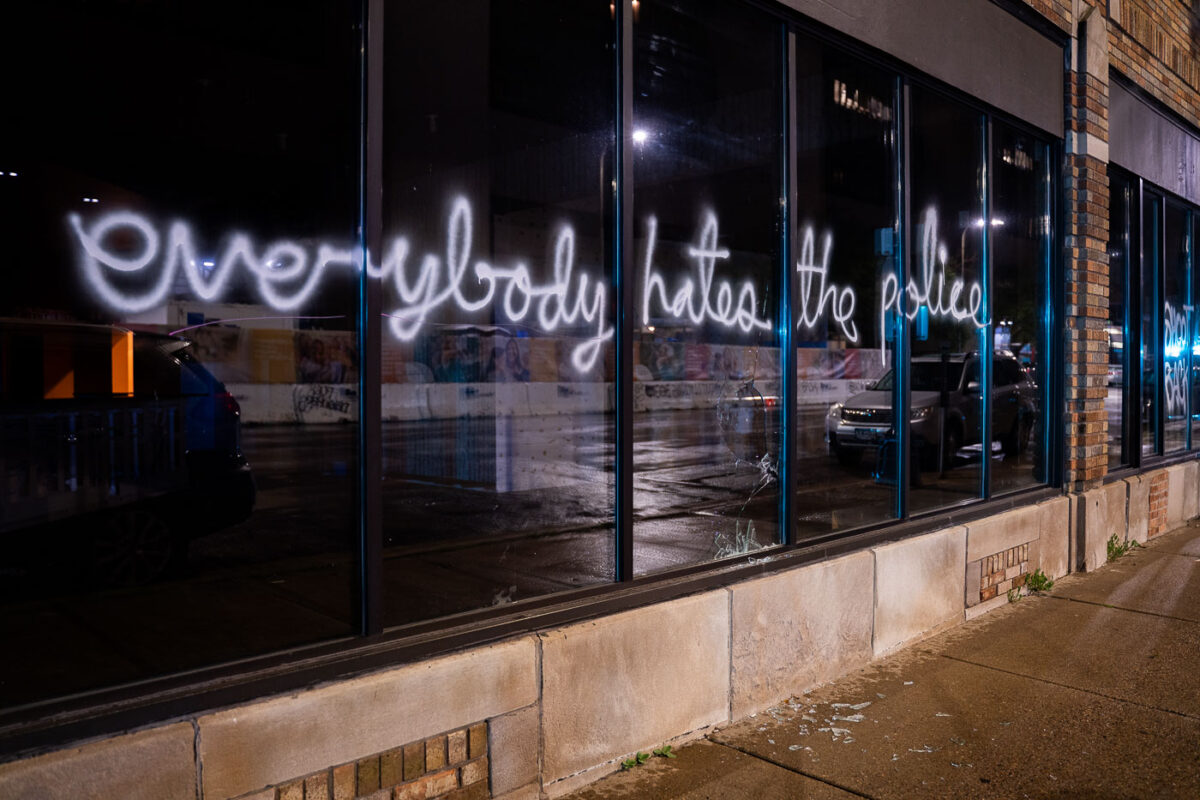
116, 449
945, 403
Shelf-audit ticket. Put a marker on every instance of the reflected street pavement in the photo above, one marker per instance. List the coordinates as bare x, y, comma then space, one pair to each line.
460, 535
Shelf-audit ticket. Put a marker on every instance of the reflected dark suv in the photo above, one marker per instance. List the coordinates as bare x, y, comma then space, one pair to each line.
945, 409
116, 449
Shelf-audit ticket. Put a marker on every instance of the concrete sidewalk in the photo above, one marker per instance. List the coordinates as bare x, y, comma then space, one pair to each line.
1091, 690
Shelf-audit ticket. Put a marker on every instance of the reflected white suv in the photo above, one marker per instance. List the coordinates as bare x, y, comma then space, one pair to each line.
949, 384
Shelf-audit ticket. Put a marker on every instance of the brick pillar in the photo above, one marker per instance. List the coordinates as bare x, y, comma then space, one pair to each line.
1085, 178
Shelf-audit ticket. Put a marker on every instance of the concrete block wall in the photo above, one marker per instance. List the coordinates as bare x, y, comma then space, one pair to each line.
1134, 508
545, 713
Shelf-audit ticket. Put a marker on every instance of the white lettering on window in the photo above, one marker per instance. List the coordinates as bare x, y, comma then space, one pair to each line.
697, 300
930, 285
1175, 379
840, 301
286, 278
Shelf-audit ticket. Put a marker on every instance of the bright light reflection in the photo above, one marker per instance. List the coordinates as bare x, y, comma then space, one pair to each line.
1175, 336
639, 136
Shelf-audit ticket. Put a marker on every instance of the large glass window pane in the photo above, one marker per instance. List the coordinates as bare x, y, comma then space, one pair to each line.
1150, 368
1020, 226
706, 270
846, 437
944, 301
497, 368
1119, 238
178, 357
1175, 326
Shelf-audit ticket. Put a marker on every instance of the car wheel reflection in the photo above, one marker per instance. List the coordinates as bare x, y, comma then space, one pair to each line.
133, 547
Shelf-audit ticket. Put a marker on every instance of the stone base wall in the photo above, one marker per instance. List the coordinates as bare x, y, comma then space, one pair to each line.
547, 712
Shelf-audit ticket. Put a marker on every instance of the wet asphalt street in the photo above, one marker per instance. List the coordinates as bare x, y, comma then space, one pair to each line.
477, 513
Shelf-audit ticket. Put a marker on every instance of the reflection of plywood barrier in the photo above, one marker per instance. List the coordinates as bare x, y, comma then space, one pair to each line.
122, 362
403, 402
825, 392
74, 363
58, 367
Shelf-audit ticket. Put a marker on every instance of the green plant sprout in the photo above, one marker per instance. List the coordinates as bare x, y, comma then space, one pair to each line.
1117, 549
1037, 582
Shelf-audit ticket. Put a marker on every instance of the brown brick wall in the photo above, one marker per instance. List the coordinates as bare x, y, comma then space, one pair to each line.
1156, 44
1157, 522
1001, 572
1086, 313
1057, 11
1086, 317
450, 766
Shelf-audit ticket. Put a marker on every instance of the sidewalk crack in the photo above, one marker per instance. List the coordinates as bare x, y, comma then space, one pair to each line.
1061, 685
1126, 608
794, 770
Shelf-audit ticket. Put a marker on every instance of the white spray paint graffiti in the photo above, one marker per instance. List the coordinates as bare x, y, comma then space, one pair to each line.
1175, 379
286, 278
554, 307
698, 305
929, 288
841, 301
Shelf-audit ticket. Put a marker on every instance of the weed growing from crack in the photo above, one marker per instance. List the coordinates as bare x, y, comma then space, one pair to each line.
1037, 582
1117, 549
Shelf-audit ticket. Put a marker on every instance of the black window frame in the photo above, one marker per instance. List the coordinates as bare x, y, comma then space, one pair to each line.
1141, 193
46, 724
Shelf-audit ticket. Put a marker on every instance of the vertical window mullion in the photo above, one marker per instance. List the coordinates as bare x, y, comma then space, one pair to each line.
1136, 374
1160, 297
986, 334
1131, 392
898, 321
1191, 322
370, 444
788, 312
622, 272
1049, 312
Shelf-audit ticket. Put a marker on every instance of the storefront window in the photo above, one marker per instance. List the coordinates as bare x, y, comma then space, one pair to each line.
1151, 297
200, 215
846, 255
1116, 400
1176, 324
1020, 232
706, 268
497, 362
178, 346
944, 301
